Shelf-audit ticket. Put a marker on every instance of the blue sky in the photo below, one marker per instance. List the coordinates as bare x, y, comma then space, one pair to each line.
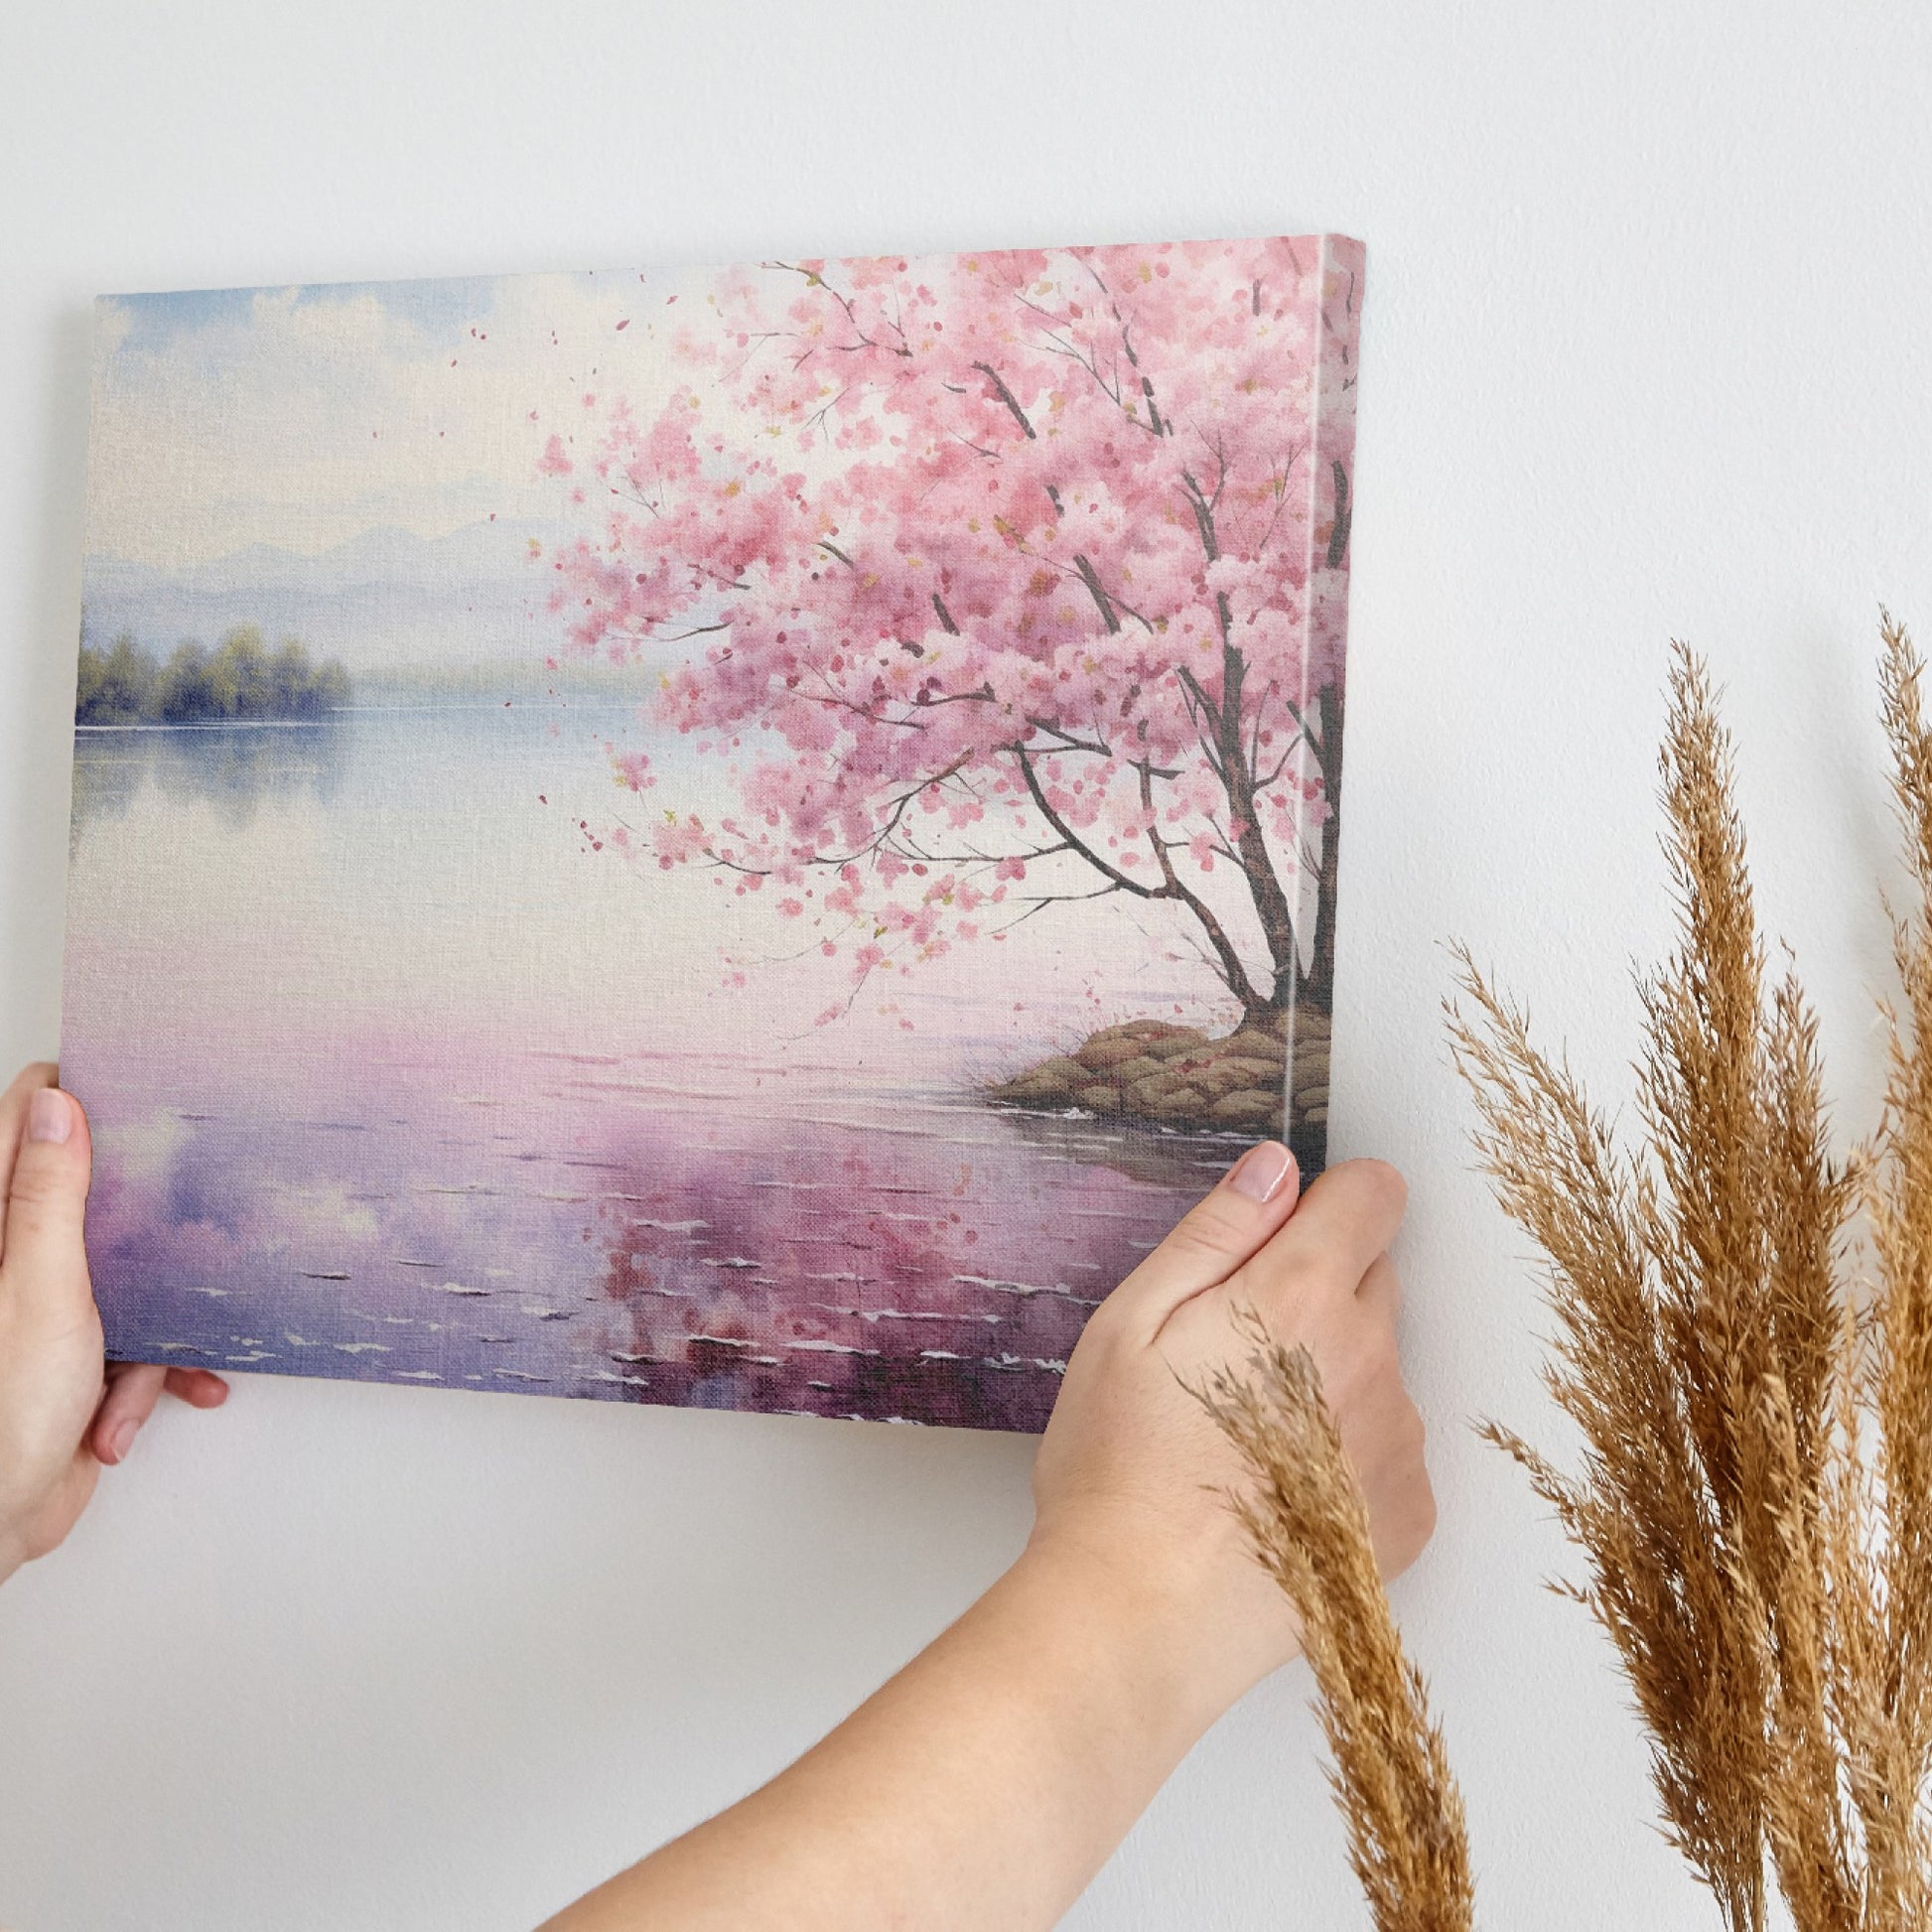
440, 307
302, 417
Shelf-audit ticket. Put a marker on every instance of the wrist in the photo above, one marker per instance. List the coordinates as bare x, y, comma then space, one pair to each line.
1166, 1639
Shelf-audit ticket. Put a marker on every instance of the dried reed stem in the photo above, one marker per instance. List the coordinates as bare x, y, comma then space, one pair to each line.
1754, 1494
1309, 1523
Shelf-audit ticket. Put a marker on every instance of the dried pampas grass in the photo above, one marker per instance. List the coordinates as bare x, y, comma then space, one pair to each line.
1755, 1497
1309, 1524
1754, 1391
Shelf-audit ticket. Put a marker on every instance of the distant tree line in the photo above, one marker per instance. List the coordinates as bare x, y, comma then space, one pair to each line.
240, 678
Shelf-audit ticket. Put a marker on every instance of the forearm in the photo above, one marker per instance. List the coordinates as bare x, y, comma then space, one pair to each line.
990, 1778
984, 1785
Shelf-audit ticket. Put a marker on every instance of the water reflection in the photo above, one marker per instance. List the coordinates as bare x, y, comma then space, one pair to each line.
472, 1106
1186, 1163
236, 768
912, 1259
844, 1272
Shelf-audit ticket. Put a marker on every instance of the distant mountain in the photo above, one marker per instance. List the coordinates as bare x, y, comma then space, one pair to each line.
382, 598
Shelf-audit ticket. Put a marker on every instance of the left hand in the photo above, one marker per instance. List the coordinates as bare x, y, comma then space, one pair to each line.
65, 1410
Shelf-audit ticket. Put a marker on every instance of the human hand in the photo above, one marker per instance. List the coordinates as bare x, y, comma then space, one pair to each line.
1132, 1472
1042, 1721
63, 1411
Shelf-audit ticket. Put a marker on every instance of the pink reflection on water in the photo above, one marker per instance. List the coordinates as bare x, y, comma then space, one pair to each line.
837, 1252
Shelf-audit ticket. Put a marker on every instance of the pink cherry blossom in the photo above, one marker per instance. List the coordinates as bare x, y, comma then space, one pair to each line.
1013, 578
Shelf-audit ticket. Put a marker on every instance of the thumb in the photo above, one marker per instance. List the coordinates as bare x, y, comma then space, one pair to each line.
44, 1261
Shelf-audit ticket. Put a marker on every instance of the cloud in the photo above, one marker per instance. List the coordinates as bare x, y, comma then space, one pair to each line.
302, 417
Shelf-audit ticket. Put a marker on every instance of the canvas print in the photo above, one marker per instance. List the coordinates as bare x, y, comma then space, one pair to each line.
743, 838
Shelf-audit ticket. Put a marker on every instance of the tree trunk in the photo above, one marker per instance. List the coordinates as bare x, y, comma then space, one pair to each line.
1318, 985
1257, 863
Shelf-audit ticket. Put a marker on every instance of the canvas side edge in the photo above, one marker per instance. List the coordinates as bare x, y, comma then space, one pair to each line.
97, 317
1342, 277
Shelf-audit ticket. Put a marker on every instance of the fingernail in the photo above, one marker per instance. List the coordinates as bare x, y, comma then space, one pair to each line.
1259, 1172
49, 1117
121, 1439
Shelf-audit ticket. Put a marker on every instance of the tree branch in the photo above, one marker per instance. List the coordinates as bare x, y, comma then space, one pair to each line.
1073, 840
1006, 396
1092, 579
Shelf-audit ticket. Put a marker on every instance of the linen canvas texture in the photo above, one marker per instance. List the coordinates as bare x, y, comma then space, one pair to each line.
745, 838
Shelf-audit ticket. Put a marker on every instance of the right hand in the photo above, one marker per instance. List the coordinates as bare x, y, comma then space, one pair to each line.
1132, 1472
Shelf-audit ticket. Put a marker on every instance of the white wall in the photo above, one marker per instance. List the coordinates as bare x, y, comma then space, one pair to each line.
1645, 353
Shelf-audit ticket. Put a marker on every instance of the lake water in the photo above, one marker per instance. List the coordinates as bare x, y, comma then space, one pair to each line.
394, 1074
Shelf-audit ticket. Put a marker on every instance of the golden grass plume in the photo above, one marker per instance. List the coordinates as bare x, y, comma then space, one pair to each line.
1753, 1498
1307, 1522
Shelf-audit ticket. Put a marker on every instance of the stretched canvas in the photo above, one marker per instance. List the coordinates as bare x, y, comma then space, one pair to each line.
744, 837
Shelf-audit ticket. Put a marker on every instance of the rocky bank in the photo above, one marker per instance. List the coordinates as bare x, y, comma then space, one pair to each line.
1172, 1076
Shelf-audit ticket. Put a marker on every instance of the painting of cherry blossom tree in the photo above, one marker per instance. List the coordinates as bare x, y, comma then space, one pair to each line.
747, 839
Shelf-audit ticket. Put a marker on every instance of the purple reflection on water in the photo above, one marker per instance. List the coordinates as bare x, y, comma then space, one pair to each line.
581, 1229
389, 1079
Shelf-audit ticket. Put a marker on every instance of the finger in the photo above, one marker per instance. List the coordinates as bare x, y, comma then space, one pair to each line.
132, 1391
43, 1264
200, 1388
1246, 1208
133, 1388
1380, 1293
13, 1124
1346, 1218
